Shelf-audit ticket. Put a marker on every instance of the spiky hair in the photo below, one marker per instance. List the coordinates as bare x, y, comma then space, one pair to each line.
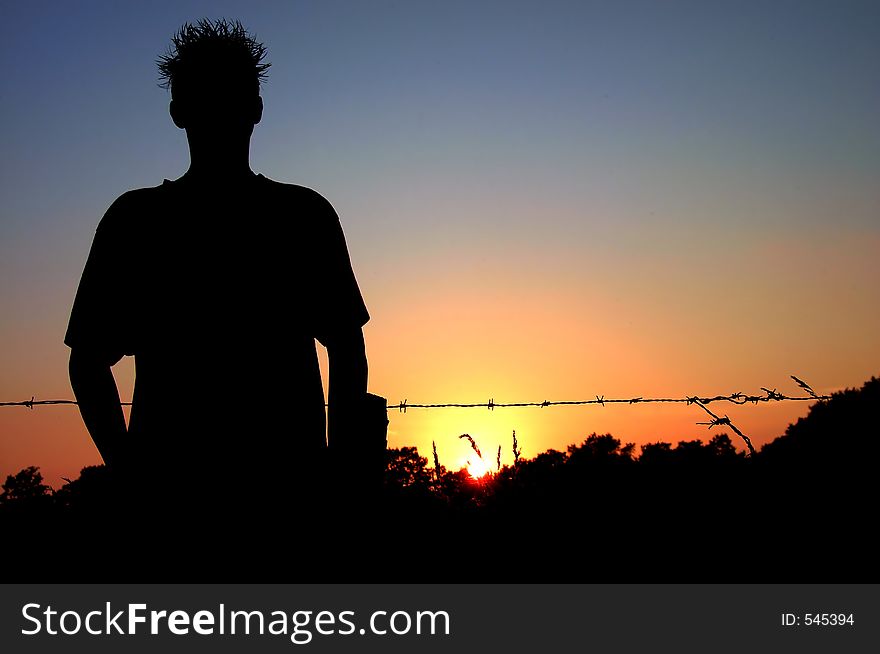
207, 41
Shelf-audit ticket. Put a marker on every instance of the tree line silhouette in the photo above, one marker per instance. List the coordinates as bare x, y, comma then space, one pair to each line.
801, 509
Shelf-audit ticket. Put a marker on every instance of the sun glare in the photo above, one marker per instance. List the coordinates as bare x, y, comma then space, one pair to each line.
477, 468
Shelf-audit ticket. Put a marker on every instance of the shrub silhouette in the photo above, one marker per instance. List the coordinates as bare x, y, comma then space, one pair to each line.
25, 494
839, 431
405, 468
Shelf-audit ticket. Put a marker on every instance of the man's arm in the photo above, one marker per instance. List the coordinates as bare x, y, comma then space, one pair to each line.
348, 384
95, 389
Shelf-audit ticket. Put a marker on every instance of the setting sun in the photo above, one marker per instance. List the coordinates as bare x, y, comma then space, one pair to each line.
477, 468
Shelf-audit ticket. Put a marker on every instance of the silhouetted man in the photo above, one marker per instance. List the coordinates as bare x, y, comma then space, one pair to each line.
218, 283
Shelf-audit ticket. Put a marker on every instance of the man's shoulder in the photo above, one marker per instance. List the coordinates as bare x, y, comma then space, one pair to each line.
137, 197
298, 194
125, 208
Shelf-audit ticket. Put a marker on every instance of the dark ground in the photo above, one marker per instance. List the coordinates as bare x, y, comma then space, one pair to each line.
802, 510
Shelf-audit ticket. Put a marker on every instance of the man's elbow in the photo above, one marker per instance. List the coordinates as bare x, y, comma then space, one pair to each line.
348, 343
86, 361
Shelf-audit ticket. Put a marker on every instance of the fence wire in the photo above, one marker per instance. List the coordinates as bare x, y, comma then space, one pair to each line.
769, 395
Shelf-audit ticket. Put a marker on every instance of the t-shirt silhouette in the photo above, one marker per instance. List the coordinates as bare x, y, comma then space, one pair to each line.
220, 293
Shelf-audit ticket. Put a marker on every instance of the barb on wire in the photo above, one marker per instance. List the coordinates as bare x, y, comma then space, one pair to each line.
773, 395
716, 421
31, 403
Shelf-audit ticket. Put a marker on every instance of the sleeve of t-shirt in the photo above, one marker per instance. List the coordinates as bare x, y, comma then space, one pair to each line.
340, 305
100, 318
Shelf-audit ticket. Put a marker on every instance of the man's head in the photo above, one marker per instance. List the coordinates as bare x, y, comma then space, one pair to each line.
214, 70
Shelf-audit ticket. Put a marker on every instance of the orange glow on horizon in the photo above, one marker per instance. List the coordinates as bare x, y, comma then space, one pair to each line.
522, 341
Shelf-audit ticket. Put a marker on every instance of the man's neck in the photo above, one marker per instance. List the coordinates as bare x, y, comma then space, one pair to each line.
225, 163
218, 174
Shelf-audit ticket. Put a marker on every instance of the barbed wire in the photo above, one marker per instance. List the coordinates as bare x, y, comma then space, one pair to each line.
31, 403
734, 398
716, 421
403, 405
738, 398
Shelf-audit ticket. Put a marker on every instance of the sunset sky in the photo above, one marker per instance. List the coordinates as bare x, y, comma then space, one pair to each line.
542, 200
